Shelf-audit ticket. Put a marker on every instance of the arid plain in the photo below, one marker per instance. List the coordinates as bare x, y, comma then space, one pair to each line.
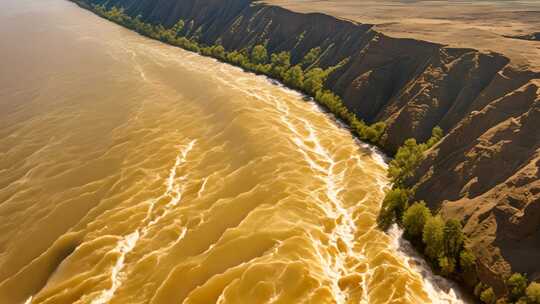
482, 25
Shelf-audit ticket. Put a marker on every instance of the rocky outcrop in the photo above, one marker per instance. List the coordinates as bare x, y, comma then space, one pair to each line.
485, 171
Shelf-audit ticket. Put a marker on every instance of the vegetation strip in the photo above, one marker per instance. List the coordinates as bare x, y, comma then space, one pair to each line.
443, 243
305, 76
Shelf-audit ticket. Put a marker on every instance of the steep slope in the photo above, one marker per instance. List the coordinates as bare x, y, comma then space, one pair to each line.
485, 171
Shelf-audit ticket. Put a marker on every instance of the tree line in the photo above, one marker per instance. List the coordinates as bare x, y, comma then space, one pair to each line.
442, 242
305, 76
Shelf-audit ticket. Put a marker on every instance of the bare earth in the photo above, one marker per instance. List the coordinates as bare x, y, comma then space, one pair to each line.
481, 25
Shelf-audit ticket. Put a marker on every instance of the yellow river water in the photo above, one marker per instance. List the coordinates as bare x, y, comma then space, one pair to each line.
135, 172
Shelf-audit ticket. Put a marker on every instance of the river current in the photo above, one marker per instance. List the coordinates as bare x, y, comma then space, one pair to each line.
136, 172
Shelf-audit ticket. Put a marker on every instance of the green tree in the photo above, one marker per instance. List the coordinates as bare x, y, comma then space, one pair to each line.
236, 58
358, 126
294, 77
280, 64
414, 220
374, 132
433, 237
218, 51
453, 238
517, 283
394, 204
163, 34
436, 135
178, 28
533, 293
137, 24
314, 80
311, 57
116, 14
259, 55
338, 66
405, 162
467, 260
334, 104
488, 296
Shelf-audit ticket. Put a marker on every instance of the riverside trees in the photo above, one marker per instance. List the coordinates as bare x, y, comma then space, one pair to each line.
533, 293
441, 241
305, 76
414, 220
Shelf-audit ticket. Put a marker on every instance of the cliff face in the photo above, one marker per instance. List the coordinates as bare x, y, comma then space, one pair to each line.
485, 171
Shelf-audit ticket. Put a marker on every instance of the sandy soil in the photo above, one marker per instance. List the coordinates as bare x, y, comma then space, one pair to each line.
481, 25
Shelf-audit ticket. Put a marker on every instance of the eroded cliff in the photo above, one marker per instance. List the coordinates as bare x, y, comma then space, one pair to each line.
486, 169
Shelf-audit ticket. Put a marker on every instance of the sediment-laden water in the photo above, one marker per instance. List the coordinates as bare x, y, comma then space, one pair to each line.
135, 172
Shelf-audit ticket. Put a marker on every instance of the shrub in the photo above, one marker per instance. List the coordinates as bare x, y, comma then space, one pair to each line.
488, 296
433, 237
414, 220
447, 265
467, 260
533, 293
479, 288
517, 284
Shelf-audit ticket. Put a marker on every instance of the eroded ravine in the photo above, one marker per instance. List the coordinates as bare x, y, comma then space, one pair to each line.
134, 172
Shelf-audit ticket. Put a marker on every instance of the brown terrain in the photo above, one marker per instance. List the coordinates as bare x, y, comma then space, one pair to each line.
467, 67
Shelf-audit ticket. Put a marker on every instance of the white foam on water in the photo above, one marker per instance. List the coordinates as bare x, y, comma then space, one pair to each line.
439, 289
124, 246
128, 242
203, 186
322, 163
